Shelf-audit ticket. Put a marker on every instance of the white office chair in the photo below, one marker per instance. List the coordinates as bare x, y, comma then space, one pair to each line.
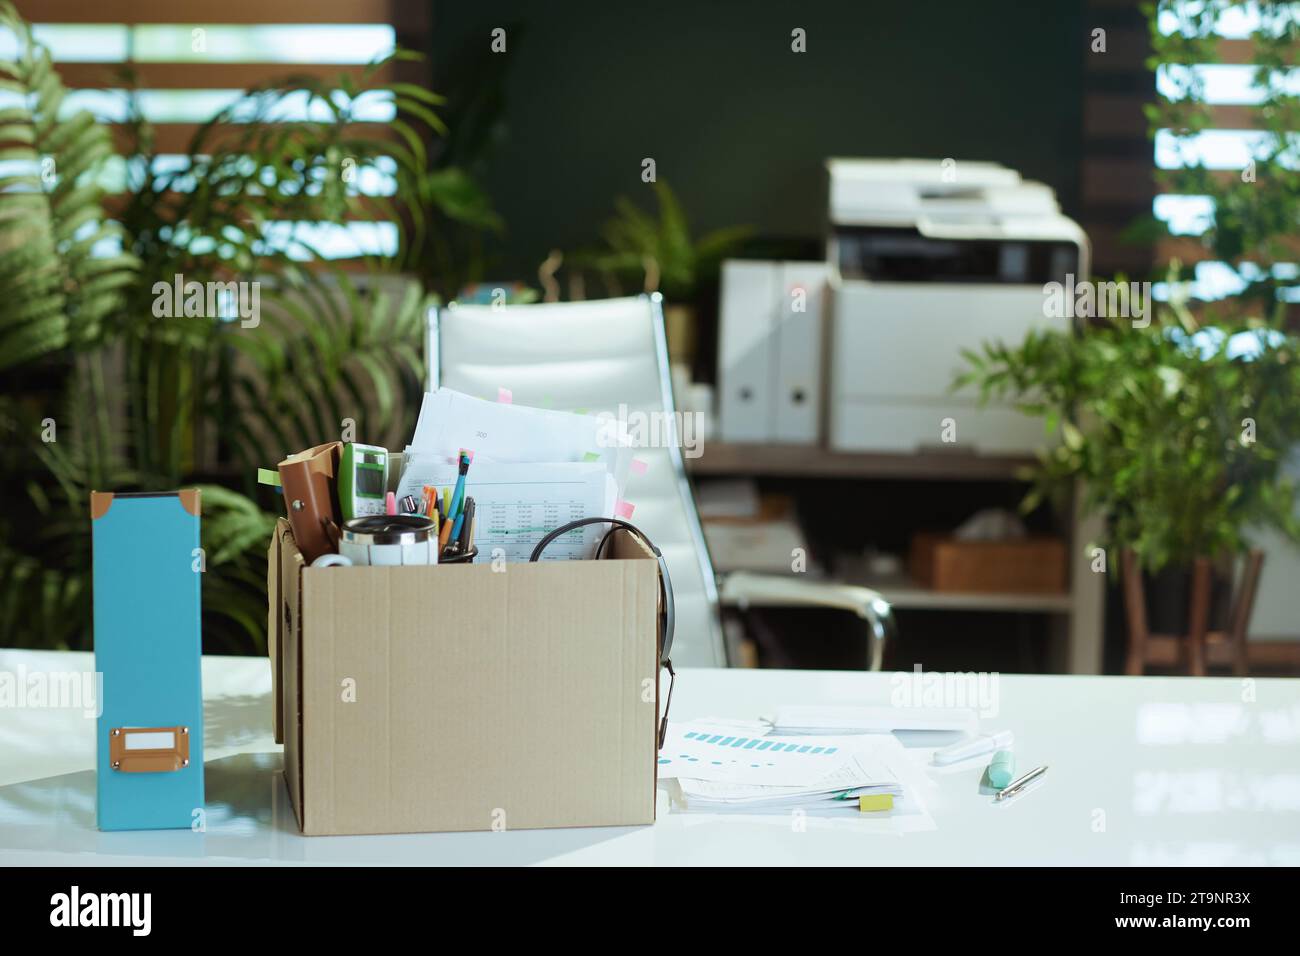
597, 356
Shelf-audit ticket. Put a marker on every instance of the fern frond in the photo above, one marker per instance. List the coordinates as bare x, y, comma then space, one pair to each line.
52, 223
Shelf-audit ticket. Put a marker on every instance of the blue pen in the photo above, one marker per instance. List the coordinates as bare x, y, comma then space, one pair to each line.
458, 496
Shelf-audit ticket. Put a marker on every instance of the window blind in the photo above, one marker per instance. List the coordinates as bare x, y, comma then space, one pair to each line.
1234, 138
190, 62
1120, 161
1116, 184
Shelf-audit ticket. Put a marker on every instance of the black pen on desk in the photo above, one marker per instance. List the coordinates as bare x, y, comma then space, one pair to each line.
466, 526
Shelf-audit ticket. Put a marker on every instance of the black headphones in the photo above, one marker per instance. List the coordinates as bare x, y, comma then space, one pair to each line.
667, 616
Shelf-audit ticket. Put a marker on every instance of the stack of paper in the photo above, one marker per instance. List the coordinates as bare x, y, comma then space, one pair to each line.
533, 469
837, 792
505, 432
727, 768
518, 504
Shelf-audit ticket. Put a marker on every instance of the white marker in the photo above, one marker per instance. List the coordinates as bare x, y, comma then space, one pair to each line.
976, 746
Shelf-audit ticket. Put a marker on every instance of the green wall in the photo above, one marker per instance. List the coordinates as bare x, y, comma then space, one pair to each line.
737, 123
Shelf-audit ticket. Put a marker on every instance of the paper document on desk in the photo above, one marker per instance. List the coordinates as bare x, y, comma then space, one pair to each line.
501, 432
712, 751
516, 505
816, 719
861, 775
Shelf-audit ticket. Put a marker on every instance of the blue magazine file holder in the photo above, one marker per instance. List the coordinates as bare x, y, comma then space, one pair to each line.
149, 736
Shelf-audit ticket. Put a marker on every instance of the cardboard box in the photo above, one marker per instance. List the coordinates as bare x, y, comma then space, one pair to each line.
459, 697
1024, 566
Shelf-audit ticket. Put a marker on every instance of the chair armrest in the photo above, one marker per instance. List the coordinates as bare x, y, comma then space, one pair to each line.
746, 589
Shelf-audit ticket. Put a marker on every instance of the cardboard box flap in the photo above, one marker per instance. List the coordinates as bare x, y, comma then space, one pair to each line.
275, 628
290, 655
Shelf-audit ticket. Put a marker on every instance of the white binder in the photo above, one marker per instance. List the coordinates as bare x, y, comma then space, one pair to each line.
800, 315
745, 350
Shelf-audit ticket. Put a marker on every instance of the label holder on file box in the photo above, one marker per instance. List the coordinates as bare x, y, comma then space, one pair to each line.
149, 749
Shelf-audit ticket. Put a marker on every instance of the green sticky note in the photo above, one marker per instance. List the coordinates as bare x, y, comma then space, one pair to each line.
268, 476
591, 456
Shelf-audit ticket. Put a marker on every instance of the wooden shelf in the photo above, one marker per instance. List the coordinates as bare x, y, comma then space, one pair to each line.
1075, 615
810, 461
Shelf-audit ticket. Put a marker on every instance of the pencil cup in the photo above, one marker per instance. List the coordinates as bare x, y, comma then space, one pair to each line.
390, 540
465, 558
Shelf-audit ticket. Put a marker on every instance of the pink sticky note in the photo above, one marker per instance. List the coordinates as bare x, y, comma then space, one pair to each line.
624, 509
505, 395
640, 466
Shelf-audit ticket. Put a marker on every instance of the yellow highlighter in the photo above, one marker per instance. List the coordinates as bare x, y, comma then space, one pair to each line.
444, 534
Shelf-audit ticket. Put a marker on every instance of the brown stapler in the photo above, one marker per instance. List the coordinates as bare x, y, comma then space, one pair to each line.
311, 497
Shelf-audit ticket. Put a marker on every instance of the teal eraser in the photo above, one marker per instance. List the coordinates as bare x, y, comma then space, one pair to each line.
1002, 769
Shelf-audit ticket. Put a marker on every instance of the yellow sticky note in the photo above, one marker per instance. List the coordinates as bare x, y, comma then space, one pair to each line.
874, 802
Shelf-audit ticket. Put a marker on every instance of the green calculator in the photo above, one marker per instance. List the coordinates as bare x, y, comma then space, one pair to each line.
363, 480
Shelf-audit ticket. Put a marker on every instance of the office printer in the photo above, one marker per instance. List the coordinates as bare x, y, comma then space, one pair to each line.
927, 258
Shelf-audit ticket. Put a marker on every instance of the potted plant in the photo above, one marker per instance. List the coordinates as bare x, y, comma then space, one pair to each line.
659, 255
1177, 431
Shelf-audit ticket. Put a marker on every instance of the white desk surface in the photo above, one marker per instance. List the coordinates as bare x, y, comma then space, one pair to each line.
1150, 771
